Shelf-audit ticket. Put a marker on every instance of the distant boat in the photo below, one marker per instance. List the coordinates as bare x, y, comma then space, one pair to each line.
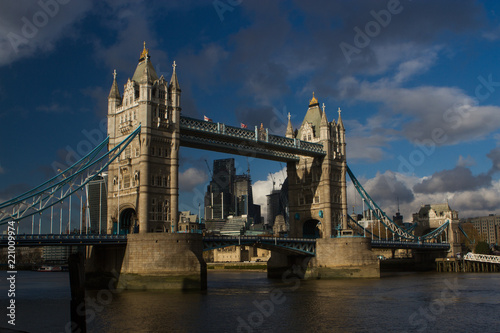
47, 268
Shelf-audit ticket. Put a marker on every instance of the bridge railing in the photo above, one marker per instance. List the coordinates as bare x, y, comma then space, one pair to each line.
259, 238
408, 244
251, 135
482, 258
42, 237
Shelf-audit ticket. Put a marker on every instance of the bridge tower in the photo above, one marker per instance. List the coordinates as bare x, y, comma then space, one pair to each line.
318, 206
143, 181
317, 186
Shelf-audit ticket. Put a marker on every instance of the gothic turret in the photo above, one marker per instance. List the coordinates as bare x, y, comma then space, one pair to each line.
324, 128
175, 94
114, 98
341, 134
289, 128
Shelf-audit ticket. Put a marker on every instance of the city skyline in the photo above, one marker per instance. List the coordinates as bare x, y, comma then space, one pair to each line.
416, 83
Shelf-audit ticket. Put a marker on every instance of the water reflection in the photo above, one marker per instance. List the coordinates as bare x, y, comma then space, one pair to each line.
249, 302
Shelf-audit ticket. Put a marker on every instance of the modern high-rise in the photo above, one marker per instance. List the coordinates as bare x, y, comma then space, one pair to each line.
219, 198
97, 204
277, 204
229, 194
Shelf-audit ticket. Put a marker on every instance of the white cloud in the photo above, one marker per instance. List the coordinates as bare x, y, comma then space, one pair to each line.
191, 178
430, 115
261, 188
415, 66
469, 203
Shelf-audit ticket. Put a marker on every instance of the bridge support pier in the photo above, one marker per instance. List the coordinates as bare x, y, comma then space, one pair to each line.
426, 260
344, 257
164, 261
284, 266
102, 265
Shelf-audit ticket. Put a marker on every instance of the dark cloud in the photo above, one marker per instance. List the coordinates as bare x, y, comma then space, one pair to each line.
455, 180
13, 190
494, 156
386, 190
18, 40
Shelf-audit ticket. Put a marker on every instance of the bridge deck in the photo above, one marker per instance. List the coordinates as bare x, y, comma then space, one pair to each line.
220, 137
305, 246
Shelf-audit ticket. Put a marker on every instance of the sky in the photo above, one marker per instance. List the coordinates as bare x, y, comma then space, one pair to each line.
417, 81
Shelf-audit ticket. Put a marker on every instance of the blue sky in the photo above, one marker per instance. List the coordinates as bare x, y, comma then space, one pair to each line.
418, 83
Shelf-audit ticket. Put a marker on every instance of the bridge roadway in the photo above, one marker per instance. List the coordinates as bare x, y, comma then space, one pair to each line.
303, 246
258, 143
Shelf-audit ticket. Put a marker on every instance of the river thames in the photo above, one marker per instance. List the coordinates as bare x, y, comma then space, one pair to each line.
249, 302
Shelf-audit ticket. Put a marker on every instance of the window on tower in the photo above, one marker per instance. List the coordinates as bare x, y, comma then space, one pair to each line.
128, 152
126, 181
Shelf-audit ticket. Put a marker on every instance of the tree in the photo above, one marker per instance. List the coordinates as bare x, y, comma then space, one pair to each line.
482, 248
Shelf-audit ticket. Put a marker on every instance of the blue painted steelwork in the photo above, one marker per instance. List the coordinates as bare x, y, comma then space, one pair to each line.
361, 227
63, 185
45, 240
379, 213
259, 143
465, 234
387, 222
288, 245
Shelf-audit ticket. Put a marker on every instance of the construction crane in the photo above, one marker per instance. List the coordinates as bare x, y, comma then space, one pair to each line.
272, 178
208, 167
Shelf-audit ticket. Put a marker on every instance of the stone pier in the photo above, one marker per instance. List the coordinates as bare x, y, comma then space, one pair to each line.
164, 261
343, 257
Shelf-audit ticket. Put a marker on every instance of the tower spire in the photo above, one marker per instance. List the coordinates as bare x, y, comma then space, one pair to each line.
313, 101
144, 53
340, 123
324, 120
114, 92
174, 83
289, 127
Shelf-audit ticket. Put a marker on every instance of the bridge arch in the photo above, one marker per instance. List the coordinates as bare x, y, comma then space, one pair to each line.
128, 221
311, 228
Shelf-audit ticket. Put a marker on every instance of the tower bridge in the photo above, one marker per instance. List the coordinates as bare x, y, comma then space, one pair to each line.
145, 133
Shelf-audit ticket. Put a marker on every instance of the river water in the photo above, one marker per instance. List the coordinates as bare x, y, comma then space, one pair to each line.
249, 302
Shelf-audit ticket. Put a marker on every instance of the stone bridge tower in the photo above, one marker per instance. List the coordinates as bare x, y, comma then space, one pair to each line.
143, 182
317, 186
